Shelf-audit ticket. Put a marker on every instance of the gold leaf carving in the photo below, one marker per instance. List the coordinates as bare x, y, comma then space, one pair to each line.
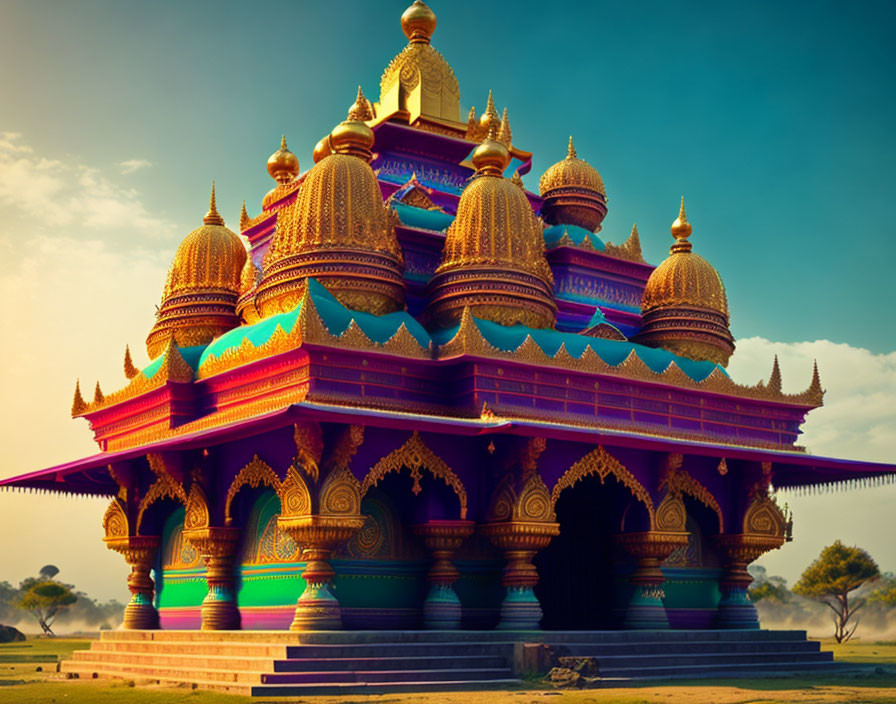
254, 474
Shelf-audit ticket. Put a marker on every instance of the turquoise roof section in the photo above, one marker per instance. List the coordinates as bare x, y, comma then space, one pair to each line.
336, 317
612, 352
421, 218
191, 356
577, 234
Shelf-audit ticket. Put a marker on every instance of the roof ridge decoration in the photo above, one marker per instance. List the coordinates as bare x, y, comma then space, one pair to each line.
630, 249
130, 371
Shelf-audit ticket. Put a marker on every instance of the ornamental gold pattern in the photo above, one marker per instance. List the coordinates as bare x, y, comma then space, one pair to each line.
419, 81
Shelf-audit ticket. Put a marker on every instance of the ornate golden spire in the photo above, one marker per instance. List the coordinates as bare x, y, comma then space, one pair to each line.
571, 150
352, 136
212, 217
244, 217
360, 110
130, 371
505, 136
681, 230
283, 165
419, 81
490, 117
98, 396
79, 405
491, 157
774, 381
630, 249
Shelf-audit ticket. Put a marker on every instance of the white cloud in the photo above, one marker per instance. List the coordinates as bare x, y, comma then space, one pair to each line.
71, 194
131, 165
858, 419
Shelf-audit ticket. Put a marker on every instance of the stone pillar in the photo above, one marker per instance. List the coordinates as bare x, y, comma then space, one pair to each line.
520, 541
217, 546
317, 609
738, 550
442, 608
140, 552
645, 609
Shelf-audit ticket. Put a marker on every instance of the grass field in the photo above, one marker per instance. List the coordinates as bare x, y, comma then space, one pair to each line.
28, 676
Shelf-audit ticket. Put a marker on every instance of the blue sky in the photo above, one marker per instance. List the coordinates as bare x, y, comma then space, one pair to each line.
774, 119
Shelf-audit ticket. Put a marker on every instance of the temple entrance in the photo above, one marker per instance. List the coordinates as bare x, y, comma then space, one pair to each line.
581, 573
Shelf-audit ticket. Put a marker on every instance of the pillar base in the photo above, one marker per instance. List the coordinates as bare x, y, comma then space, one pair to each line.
646, 611
736, 611
520, 610
442, 609
219, 611
140, 614
317, 610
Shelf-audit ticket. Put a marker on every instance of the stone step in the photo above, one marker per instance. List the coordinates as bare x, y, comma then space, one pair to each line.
344, 689
375, 637
613, 663
397, 650
185, 648
223, 662
598, 650
242, 688
378, 676
412, 662
715, 670
135, 670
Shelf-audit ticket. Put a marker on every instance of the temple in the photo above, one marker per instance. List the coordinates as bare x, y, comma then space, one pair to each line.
412, 394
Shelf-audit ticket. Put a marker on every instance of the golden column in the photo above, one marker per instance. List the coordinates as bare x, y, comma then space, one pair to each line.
217, 545
139, 551
442, 609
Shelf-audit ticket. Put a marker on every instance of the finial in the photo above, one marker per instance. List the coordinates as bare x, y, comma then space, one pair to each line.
504, 134
418, 23
774, 381
79, 405
681, 230
571, 152
98, 397
490, 116
283, 165
244, 217
360, 109
283, 146
491, 157
815, 386
130, 371
212, 217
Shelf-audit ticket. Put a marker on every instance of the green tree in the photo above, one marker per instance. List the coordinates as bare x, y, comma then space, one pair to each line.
838, 571
46, 599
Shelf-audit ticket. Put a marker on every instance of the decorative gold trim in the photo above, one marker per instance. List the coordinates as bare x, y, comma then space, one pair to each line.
254, 474
415, 455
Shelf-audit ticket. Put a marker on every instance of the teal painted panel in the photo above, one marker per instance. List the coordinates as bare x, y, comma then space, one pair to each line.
691, 588
180, 591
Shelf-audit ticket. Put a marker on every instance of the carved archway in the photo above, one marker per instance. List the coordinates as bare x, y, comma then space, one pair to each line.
681, 483
415, 455
601, 463
163, 488
256, 473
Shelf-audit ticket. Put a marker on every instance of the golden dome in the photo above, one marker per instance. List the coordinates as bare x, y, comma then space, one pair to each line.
684, 307
573, 193
684, 278
283, 165
198, 302
339, 209
419, 81
322, 149
572, 172
493, 258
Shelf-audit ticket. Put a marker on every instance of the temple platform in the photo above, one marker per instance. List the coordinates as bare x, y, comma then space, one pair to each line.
288, 664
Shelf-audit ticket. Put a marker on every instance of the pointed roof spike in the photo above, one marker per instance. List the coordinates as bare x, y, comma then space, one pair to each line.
244, 217
212, 217
174, 366
130, 371
774, 382
681, 230
79, 405
815, 390
571, 151
98, 397
283, 142
490, 105
504, 133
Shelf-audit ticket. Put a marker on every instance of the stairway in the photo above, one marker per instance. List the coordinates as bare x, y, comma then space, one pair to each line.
278, 663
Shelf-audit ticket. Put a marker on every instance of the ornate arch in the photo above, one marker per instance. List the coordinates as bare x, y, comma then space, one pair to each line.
254, 474
165, 487
764, 517
680, 482
601, 463
415, 455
